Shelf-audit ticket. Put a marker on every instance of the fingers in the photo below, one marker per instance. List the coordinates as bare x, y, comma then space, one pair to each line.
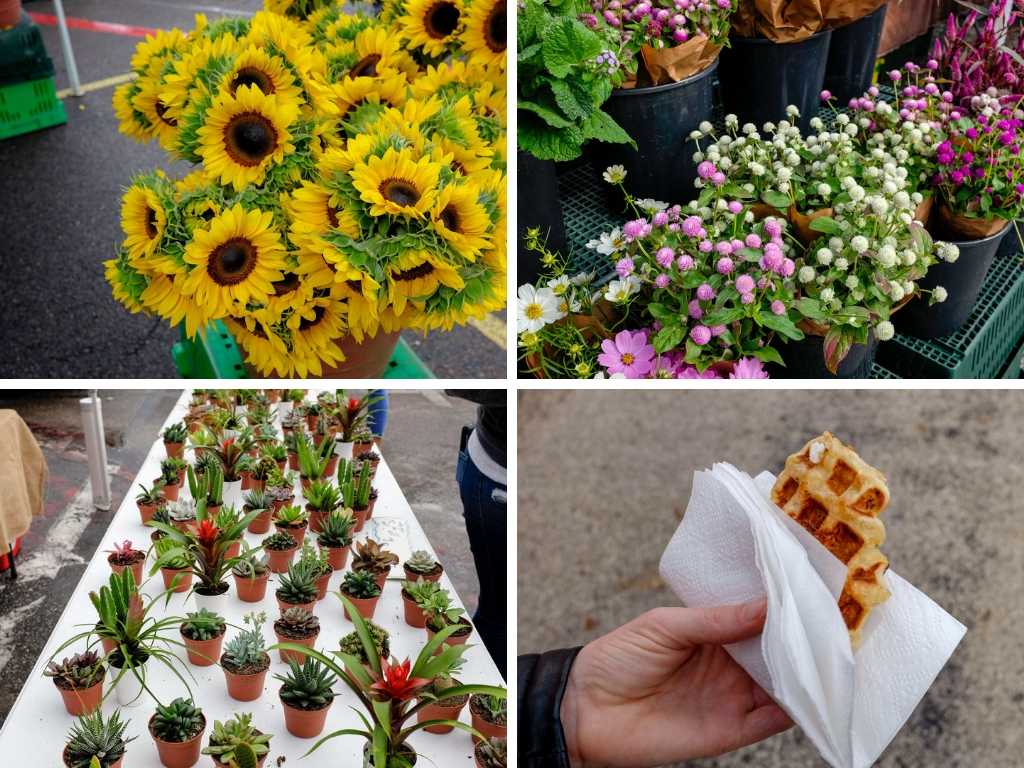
719, 625
763, 722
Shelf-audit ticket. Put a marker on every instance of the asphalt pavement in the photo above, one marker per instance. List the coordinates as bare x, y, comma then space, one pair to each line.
420, 445
60, 192
605, 478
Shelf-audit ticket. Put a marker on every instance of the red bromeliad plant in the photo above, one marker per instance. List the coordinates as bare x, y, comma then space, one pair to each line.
123, 554
388, 691
352, 414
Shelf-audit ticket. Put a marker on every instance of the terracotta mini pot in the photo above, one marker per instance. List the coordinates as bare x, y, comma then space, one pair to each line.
293, 461
184, 583
245, 687
182, 525
438, 712
382, 578
286, 606
361, 516
170, 491
64, 759
298, 531
174, 449
251, 590
259, 762
146, 513
299, 657
257, 485
84, 700
316, 519
179, 754
233, 550
203, 653
365, 606
246, 477
358, 448
452, 640
305, 724
311, 422
411, 576
260, 523
322, 582
332, 466
136, 568
279, 558
489, 730
108, 645
277, 506
337, 557
369, 511
414, 615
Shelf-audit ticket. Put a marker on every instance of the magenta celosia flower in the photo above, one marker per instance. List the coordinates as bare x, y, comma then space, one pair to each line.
629, 354
753, 241
705, 292
624, 266
662, 280
665, 257
691, 226
690, 372
724, 266
748, 368
695, 311
744, 283
685, 262
706, 169
778, 308
700, 334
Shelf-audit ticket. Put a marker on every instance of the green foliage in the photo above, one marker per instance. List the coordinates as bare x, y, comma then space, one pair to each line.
151, 497
323, 496
298, 586
362, 500
181, 511
275, 451
169, 472
257, 500
202, 625
229, 735
176, 433
313, 458
251, 566
336, 529
249, 645
370, 557
496, 705
280, 542
176, 562
264, 467
307, 687
361, 585
244, 757
177, 721
93, 736
441, 610
421, 591
290, 515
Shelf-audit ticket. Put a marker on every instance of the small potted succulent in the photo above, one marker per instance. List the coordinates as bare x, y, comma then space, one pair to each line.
280, 486
489, 715
313, 459
422, 563
262, 470
370, 557
178, 463
318, 565
169, 477
335, 538
416, 597
251, 576
352, 643
441, 614
293, 519
245, 660
125, 556
311, 413
281, 547
182, 513
176, 570
235, 740
306, 695
363, 592
299, 627
492, 753
178, 730
174, 438
364, 441
95, 738
262, 502
79, 680
203, 633
297, 587
150, 500
369, 456
322, 498
441, 707
276, 451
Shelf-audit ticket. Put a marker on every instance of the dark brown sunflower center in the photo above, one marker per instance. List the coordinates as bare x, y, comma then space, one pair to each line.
424, 269
207, 215
259, 333
332, 216
161, 112
441, 19
366, 67
496, 27
252, 76
451, 220
287, 285
354, 285
232, 261
250, 137
318, 315
457, 167
151, 232
399, 191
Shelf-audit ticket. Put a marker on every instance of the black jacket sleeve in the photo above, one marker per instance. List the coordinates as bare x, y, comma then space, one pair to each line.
541, 681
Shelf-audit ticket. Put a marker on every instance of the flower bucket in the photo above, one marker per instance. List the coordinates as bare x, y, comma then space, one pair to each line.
962, 280
1010, 244
80, 701
368, 360
659, 119
202, 653
539, 208
805, 359
251, 591
179, 754
305, 724
760, 78
852, 55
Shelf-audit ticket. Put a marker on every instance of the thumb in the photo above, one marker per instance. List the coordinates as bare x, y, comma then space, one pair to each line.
719, 625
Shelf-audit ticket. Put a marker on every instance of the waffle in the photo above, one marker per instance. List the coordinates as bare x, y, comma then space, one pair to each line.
836, 497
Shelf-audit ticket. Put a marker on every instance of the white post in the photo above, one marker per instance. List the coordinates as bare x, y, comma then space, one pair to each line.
96, 449
69, 55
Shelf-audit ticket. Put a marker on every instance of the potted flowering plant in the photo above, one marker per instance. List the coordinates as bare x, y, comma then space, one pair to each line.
178, 730
79, 680
96, 740
245, 660
351, 416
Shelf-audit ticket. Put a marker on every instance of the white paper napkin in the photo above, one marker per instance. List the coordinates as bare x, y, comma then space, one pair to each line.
734, 545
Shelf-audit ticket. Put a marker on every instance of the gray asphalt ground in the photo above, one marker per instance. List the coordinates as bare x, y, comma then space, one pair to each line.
605, 478
420, 444
60, 192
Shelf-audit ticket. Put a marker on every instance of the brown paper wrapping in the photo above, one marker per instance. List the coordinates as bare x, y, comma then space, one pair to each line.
661, 66
924, 209
763, 211
959, 227
802, 224
840, 13
791, 21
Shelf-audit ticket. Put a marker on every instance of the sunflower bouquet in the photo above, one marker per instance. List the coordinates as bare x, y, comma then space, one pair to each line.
351, 176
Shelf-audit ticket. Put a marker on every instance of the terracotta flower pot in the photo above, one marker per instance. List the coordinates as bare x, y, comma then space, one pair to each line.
305, 724
246, 687
170, 491
293, 461
332, 466
361, 516
299, 657
452, 639
259, 762
213, 510
182, 525
358, 448
261, 523
234, 550
414, 615
184, 583
322, 582
316, 519
337, 557
298, 531
488, 729
365, 606
286, 606
136, 568
257, 485
246, 477
435, 577
108, 645
179, 754
202, 653
436, 711
279, 558
251, 590
382, 578
64, 759
146, 513
311, 420
174, 449
80, 701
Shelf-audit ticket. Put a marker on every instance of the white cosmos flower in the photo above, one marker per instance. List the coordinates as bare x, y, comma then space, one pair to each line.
651, 206
569, 304
559, 285
614, 174
584, 278
535, 308
603, 375
620, 290
610, 242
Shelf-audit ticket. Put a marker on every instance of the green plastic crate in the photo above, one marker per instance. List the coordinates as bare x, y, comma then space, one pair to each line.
218, 357
878, 372
27, 107
1012, 368
23, 56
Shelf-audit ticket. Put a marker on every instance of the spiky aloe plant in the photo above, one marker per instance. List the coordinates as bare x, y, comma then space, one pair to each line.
336, 529
298, 585
307, 687
313, 458
93, 736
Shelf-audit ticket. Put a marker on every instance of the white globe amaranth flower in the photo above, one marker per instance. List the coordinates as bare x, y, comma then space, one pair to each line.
841, 264
908, 286
884, 331
917, 197
731, 121
757, 169
749, 128
748, 217
947, 251
820, 279
824, 256
806, 274
850, 130
843, 119
896, 292
908, 257
857, 193
749, 186
784, 174
836, 244
879, 205
696, 135
705, 127
901, 199
857, 294
724, 164
824, 190
847, 183
845, 225
890, 188
827, 294
852, 282
783, 186
792, 111
906, 218
859, 243
872, 172
902, 155
939, 294
886, 256
698, 156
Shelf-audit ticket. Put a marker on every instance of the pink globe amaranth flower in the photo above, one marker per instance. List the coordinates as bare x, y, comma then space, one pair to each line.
624, 266
773, 228
736, 245
673, 227
705, 292
695, 311
680, 36
634, 228
778, 308
787, 268
718, 179
690, 372
700, 334
611, 18
854, 103
1006, 139
629, 354
967, 157
724, 266
665, 257
958, 178
748, 368
753, 241
746, 298
873, 91
706, 246
706, 169
723, 4
744, 283
932, 64
735, 207
826, 95
723, 248
685, 262
771, 261
662, 280
717, 330
691, 226
660, 219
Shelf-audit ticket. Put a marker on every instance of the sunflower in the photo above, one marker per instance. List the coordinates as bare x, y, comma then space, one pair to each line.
164, 296
133, 123
152, 53
465, 162
264, 350
417, 274
396, 184
291, 292
461, 220
362, 100
143, 219
236, 260
257, 68
311, 212
196, 74
127, 282
432, 24
486, 35
313, 337
361, 297
147, 101
244, 134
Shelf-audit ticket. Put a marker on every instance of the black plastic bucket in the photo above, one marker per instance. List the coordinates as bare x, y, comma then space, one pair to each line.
538, 206
851, 57
962, 280
659, 120
805, 359
761, 78
1010, 244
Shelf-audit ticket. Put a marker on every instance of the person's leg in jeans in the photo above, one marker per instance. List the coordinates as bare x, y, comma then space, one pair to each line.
484, 506
377, 415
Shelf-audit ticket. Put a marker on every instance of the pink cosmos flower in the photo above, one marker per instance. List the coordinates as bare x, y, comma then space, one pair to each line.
629, 354
748, 368
690, 372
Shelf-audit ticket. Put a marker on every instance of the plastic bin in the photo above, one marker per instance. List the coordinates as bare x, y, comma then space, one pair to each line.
31, 106
23, 56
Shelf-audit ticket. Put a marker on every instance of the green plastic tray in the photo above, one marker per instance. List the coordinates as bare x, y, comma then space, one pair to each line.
1013, 368
218, 357
22, 53
878, 372
31, 106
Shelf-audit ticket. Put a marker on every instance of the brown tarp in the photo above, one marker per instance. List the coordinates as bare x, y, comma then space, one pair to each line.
22, 474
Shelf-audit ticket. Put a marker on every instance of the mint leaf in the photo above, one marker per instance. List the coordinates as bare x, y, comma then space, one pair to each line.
550, 116
573, 98
600, 126
547, 143
567, 44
